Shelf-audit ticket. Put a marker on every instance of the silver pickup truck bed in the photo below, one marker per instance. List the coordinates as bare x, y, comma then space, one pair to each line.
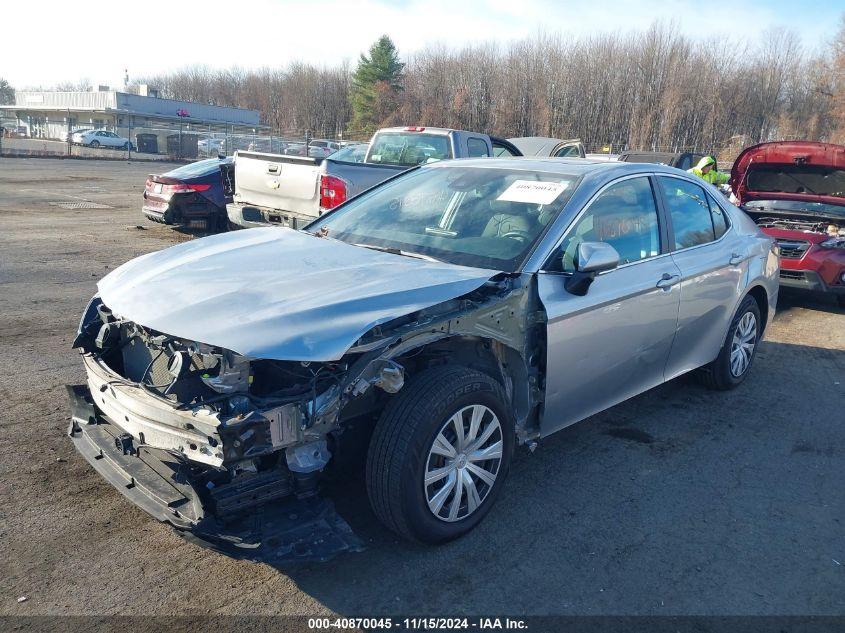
285, 190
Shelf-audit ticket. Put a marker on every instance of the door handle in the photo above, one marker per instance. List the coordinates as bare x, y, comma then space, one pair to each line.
667, 281
735, 259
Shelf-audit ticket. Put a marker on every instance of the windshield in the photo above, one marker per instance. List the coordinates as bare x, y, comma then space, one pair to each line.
471, 216
351, 154
409, 149
800, 179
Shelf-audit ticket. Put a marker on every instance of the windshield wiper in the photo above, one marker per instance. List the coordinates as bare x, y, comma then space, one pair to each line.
396, 251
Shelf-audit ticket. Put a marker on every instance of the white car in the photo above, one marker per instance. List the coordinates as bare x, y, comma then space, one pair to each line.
79, 132
211, 144
321, 148
101, 138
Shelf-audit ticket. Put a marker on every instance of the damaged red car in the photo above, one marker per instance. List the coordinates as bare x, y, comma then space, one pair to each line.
795, 192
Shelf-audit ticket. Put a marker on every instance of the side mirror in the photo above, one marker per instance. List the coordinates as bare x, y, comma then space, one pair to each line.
591, 259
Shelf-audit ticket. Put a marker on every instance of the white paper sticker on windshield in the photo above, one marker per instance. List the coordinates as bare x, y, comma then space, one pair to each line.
532, 192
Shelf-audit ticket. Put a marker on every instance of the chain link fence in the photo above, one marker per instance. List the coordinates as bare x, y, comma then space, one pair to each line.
180, 141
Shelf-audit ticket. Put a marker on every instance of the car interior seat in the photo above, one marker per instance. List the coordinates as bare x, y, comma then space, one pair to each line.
509, 217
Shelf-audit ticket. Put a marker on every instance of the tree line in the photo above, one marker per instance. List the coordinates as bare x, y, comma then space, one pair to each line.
653, 90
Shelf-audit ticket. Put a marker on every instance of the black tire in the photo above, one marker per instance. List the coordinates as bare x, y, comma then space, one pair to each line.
401, 441
718, 375
94, 144
840, 300
126, 147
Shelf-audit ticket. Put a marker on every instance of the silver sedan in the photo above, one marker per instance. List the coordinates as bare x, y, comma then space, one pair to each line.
437, 320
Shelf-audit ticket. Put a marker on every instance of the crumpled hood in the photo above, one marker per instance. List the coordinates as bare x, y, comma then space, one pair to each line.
277, 293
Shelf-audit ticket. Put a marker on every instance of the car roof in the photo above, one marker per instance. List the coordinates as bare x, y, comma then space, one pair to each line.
537, 145
564, 166
653, 156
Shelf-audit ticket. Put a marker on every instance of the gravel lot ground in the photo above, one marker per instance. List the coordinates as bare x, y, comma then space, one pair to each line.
681, 501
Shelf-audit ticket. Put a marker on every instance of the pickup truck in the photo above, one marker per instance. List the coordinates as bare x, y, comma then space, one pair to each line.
293, 190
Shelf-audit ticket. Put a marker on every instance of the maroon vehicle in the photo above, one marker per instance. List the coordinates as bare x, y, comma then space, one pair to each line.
795, 192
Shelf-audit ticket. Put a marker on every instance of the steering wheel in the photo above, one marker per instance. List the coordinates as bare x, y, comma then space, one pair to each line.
516, 234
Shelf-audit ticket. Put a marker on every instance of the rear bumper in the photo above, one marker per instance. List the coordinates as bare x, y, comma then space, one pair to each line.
163, 215
164, 486
808, 280
186, 209
251, 216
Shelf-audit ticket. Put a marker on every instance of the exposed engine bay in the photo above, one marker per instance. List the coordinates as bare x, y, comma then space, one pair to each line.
805, 225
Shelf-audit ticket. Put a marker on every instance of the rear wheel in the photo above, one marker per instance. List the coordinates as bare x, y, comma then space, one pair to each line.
734, 361
439, 454
126, 147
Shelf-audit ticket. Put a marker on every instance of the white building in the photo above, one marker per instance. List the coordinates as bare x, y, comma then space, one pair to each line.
52, 115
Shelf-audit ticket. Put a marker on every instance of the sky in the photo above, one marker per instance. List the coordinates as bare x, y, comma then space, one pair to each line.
99, 39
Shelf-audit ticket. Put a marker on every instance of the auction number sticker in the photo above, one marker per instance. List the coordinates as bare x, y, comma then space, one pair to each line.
533, 192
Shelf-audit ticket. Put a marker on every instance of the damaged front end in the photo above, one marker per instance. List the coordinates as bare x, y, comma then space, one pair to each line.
203, 438
231, 449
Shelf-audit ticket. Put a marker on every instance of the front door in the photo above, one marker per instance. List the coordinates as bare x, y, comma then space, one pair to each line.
613, 342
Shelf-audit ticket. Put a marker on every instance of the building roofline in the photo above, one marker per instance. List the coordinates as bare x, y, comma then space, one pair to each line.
147, 115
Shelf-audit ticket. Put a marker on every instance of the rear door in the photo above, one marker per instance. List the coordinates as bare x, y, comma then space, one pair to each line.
612, 343
712, 261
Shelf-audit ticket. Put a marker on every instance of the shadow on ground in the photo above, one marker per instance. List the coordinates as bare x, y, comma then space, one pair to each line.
681, 500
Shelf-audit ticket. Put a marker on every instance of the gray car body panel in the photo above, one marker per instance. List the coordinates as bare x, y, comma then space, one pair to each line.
278, 294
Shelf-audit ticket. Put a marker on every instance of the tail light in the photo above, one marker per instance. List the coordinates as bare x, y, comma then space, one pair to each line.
332, 192
414, 128
182, 187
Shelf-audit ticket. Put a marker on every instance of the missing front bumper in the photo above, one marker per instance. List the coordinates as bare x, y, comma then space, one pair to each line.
279, 530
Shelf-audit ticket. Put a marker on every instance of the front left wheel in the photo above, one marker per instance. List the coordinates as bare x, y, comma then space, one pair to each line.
439, 454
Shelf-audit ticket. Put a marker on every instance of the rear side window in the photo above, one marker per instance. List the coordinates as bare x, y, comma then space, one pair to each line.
409, 148
720, 219
502, 150
567, 151
690, 212
476, 148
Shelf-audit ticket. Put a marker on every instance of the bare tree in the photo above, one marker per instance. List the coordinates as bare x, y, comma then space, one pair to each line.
657, 89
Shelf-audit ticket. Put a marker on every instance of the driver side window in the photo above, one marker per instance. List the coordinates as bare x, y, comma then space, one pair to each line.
625, 216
